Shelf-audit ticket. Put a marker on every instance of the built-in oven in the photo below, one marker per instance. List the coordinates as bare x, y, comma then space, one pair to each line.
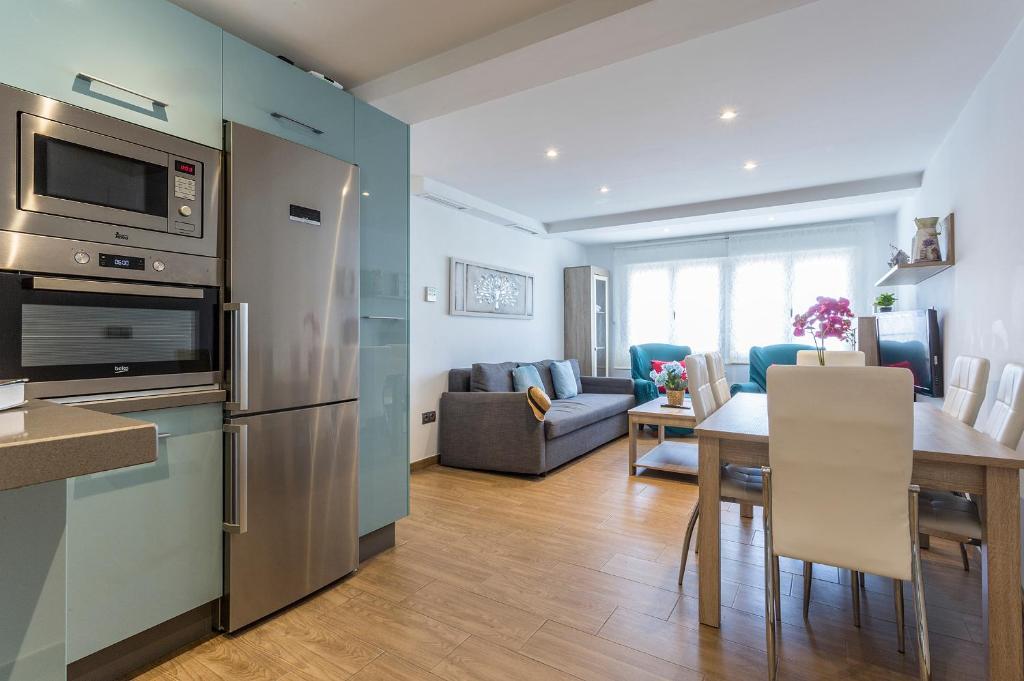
72, 173
73, 336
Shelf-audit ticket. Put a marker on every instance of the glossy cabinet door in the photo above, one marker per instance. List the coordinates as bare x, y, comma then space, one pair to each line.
382, 152
145, 543
266, 93
147, 52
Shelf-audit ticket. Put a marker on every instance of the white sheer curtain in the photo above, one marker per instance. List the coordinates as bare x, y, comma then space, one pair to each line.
731, 293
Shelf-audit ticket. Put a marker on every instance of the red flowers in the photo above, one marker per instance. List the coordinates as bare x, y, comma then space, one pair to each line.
827, 318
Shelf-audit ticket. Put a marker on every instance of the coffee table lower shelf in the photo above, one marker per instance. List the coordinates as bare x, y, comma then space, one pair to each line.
673, 457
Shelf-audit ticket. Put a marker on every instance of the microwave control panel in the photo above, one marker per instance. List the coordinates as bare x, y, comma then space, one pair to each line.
185, 198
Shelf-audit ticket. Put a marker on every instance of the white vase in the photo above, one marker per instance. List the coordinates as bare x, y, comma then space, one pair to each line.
926, 240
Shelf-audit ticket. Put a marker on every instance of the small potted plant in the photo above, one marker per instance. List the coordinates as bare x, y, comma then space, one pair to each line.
672, 378
884, 302
827, 318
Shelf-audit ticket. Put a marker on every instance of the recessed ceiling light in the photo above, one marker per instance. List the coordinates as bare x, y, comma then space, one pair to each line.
771, 218
750, 165
551, 153
366, 193
728, 114
604, 189
665, 230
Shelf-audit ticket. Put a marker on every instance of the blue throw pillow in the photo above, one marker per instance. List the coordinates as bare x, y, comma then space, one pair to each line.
525, 376
564, 379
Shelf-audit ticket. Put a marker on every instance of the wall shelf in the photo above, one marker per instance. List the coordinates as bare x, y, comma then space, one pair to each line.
916, 272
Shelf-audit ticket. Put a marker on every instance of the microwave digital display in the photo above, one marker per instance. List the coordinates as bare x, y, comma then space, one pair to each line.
186, 168
122, 262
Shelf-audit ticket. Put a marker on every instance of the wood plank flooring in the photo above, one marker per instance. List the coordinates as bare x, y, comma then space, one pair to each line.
572, 577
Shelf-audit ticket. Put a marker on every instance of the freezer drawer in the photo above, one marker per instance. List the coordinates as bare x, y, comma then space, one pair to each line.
291, 507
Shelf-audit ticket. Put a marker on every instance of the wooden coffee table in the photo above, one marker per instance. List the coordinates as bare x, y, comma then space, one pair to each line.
675, 457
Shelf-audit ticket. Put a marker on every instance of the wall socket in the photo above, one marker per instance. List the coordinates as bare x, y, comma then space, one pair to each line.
429, 417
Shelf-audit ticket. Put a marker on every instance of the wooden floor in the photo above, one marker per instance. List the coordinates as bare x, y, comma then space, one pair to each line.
573, 576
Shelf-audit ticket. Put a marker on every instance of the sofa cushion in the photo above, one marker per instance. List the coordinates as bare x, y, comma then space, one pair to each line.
566, 416
492, 378
525, 377
575, 364
564, 379
544, 369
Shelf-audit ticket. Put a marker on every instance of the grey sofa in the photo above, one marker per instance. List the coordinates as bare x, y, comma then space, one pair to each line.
485, 425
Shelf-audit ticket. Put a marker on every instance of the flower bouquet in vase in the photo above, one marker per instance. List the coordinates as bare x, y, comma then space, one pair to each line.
672, 378
827, 318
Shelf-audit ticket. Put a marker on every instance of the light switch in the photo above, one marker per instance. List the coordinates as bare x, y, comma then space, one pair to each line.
430, 294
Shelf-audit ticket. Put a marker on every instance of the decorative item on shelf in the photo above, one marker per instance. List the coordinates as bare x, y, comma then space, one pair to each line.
884, 302
484, 291
926, 240
672, 377
827, 318
898, 257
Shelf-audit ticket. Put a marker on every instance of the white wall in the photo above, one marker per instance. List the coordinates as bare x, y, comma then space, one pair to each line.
439, 341
978, 173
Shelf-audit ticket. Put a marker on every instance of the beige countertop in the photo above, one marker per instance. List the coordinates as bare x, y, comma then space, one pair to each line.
42, 441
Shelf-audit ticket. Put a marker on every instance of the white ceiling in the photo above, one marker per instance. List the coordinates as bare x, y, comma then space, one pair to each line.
358, 40
828, 92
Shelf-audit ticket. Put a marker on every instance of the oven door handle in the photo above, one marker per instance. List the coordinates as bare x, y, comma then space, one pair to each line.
238, 391
114, 287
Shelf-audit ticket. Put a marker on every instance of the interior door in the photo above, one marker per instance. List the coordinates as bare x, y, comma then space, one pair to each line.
293, 257
292, 499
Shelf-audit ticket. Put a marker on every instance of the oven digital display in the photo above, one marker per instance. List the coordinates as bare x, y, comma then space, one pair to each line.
122, 262
187, 168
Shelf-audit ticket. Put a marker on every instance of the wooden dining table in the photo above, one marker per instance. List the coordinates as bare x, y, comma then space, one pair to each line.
948, 455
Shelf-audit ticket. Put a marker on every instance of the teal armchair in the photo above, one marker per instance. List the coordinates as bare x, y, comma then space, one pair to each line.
644, 390
763, 357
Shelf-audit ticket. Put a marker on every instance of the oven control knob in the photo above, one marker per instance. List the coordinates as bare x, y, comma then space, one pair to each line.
185, 210
82, 258
158, 265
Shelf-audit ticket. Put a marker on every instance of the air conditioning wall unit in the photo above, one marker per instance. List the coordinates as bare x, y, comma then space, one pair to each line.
455, 199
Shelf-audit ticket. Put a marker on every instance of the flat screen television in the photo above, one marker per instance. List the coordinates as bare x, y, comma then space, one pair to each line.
911, 339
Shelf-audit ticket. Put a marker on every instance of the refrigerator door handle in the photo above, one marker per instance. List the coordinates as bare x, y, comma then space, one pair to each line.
237, 480
239, 388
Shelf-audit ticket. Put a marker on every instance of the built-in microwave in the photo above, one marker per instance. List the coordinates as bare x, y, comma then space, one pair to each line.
72, 336
72, 173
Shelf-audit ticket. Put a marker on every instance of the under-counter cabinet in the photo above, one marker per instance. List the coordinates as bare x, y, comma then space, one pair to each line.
144, 544
266, 93
150, 63
382, 152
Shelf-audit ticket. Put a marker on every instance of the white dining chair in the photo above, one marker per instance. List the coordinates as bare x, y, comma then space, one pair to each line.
867, 524
956, 516
965, 390
716, 375
833, 358
739, 485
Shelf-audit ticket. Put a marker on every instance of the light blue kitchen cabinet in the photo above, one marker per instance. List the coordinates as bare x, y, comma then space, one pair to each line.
147, 52
145, 543
32, 582
382, 152
266, 93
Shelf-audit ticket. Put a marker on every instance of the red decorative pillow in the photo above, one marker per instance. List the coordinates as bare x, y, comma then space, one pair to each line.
657, 364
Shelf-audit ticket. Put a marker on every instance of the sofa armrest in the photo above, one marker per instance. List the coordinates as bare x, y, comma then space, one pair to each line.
617, 386
749, 387
644, 390
490, 431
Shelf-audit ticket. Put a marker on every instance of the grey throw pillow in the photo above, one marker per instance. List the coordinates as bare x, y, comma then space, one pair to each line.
492, 378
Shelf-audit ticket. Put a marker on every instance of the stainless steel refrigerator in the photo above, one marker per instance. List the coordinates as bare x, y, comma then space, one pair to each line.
292, 366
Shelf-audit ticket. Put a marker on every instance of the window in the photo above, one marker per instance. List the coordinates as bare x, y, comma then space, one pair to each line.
728, 303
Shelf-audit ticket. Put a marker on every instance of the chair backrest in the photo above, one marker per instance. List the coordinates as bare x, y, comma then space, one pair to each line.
833, 358
716, 374
840, 446
1005, 422
965, 390
702, 398
640, 357
762, 357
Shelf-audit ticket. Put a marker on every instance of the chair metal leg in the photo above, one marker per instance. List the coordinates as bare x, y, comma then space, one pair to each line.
964, 558
855, 593
686, 540
770, 585
775, 588
897, 599
808, 570
924, 655
861, 579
